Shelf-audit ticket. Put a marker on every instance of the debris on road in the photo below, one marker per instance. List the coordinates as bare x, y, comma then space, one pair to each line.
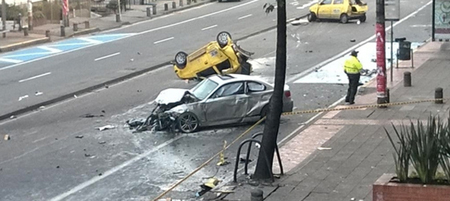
75, 96
102, 142
352, 40
12, 117
7, 137
38, 93
324, 148
89, 115
79, 136
23, 97
207, 186
106, 127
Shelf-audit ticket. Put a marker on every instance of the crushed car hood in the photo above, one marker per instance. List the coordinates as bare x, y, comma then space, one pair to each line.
171, 95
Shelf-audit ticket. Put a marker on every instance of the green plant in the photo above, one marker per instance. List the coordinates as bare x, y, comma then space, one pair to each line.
402, 152
423, 146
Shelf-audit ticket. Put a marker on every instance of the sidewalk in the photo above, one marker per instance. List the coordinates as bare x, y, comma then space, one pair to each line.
15, 40
342, 153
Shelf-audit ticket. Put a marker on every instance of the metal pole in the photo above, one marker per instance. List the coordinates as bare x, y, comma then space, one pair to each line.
4, 14
432, 21
118, 12
392, 50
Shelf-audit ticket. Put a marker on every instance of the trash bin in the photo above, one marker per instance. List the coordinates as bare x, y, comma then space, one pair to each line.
404, 50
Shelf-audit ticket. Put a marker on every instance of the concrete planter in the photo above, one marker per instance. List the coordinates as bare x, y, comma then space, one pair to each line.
386, 190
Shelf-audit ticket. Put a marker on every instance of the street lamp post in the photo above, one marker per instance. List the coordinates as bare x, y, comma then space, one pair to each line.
118, 11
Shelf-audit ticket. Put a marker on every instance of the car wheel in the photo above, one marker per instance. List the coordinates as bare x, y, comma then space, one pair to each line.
312, 17
223, 38
181, 59
187, 122
363, 18
246, 68
344, 18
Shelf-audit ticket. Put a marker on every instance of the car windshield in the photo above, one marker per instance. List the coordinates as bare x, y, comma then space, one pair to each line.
203, 89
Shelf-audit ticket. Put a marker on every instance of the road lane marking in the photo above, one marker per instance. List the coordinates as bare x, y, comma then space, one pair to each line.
163, 40
34, 77
113, 170
50, 49
245, 16
196, 18
306, 5
320, 65
107, 56
210, 27
91, 40
16, 61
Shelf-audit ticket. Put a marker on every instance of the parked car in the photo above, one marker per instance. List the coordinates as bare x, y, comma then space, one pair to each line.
342, 10
217, 100
217, 57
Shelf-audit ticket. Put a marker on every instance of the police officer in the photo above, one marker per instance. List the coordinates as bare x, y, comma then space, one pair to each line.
352, 68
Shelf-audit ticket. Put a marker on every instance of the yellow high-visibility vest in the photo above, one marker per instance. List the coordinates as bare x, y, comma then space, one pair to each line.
352, 65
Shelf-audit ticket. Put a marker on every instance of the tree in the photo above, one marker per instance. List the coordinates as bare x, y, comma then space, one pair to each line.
272, 123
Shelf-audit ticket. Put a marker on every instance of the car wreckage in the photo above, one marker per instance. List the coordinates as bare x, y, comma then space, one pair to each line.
217, 100
222, 56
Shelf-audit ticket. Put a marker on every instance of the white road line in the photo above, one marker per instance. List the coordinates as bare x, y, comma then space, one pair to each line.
50, 49
196, 18
107, 56
34, 77
294, 78
113, 170
16, 61
163, 40
245, 16
90, 40
210, 27
306, 5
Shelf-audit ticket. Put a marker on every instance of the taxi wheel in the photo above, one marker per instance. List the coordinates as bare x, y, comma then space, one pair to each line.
344, 18
312, 17
181, 59
187, 122
363, 18
222, 38
246, 68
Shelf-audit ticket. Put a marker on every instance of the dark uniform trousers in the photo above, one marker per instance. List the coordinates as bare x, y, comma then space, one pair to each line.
353, 82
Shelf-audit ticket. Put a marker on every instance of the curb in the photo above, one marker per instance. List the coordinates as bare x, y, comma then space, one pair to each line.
15, 46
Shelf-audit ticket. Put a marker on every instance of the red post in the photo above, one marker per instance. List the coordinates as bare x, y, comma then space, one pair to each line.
381, 52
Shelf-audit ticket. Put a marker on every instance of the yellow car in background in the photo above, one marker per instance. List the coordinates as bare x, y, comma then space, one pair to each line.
217, 57
342, 10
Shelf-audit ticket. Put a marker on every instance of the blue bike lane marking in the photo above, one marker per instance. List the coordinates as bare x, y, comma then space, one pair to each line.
15, 58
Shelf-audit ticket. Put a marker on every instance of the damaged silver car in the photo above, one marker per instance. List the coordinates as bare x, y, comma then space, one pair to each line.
217, 100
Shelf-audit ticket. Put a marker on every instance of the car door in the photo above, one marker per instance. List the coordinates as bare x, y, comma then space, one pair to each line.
324, 10
337, 8
227, 104
258, 97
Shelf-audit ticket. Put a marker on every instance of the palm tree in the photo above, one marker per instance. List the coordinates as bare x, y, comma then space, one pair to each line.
272, 123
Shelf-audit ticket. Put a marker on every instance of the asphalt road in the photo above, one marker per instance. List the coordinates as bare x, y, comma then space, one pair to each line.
58, 154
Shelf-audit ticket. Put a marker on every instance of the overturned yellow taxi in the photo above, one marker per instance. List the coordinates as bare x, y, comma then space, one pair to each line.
217, 57
342, 10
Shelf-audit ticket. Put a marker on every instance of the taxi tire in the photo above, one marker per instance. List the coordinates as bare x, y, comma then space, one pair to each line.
363, 18
312, 17
246, 68
219, 41
181, 64
344, 18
